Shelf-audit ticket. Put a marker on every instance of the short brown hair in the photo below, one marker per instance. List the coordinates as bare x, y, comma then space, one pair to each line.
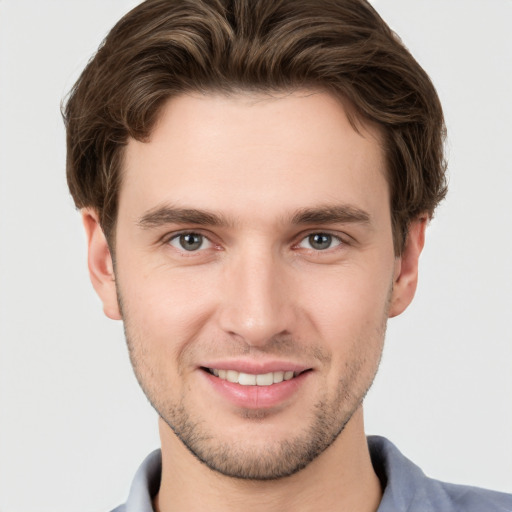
166, 47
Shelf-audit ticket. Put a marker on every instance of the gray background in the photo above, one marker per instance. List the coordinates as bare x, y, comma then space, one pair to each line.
73, 423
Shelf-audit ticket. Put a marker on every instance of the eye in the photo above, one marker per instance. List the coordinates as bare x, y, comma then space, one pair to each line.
320, 241
190, 242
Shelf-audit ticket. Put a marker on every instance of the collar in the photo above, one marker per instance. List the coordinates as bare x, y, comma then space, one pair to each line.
406, 488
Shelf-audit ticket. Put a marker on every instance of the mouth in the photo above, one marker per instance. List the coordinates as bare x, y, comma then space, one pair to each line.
249, 379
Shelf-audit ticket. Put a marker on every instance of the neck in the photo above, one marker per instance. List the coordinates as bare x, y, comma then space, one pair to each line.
341, 478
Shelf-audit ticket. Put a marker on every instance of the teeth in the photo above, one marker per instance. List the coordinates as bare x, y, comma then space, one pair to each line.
278, 377
248, 379
265, 379
288, 375
232, 376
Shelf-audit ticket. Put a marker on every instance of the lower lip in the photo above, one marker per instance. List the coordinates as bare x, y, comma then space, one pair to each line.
257, 397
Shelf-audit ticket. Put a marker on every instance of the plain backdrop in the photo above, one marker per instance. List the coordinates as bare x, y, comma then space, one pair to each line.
74, 425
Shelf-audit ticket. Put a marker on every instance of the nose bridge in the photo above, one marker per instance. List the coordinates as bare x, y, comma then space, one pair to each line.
256, 305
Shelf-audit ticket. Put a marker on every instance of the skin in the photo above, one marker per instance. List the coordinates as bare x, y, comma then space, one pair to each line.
257, 291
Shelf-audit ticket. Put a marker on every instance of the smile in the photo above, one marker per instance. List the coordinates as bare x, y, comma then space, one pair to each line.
256, 386
249, 379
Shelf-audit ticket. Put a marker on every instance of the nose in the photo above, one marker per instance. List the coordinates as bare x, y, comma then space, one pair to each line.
257, 299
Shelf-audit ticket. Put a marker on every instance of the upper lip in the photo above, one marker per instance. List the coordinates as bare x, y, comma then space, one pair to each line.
256, 367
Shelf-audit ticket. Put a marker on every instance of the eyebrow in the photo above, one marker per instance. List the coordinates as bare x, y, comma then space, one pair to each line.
162, 215
329, 214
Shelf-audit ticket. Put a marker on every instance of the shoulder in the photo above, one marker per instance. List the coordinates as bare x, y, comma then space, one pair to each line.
144, 486
407, 488
474, 499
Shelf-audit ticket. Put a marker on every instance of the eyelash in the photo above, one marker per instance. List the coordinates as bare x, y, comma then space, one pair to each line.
332, 237
339, 242
177, 236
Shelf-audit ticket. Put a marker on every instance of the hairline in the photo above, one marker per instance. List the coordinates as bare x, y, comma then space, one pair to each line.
360, 123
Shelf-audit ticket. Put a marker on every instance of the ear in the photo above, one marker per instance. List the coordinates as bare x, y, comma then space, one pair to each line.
406, 267
101, 268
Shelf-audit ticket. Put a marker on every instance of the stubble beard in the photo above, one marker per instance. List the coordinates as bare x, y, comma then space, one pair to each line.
277, 459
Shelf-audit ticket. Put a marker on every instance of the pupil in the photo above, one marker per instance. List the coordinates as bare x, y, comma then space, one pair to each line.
320, 241
191, 241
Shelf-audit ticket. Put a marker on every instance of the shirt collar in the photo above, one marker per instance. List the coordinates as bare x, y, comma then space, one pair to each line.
145, 484
404, 484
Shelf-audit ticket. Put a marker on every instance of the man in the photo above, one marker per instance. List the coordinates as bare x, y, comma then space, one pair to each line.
255, 180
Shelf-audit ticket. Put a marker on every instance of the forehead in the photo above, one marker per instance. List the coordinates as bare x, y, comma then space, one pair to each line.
254, 152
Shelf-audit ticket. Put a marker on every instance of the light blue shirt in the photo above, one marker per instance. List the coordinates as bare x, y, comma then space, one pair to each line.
406, 488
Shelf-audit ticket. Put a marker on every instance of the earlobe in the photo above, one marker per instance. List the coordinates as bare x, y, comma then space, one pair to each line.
406, 267
101, 268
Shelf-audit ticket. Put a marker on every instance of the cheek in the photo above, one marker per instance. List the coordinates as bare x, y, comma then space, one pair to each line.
349, 314
348, 300
163, 309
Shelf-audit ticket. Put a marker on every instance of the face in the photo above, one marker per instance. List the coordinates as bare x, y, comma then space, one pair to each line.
255, 273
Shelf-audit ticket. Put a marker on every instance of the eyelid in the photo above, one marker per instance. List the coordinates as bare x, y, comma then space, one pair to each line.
343, 241
175, 235
342, 237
